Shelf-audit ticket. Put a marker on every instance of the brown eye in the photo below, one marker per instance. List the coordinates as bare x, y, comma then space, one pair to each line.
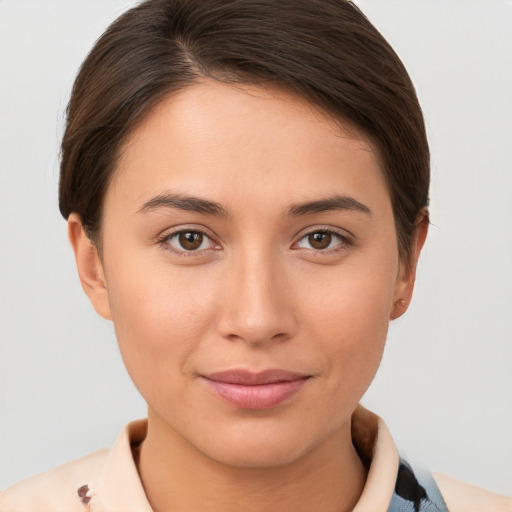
190, 240
320, 240
323, 241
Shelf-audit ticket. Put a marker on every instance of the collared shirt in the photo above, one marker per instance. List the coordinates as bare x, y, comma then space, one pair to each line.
108, 480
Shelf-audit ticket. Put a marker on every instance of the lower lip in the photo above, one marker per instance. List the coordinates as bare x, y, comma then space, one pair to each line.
263, 396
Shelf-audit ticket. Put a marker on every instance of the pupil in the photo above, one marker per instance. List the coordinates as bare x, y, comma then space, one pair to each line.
320, 240
191, 240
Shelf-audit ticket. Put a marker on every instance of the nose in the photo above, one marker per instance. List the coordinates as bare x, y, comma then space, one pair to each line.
257, 304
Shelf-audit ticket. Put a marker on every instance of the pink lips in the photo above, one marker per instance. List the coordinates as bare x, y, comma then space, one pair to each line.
262, 390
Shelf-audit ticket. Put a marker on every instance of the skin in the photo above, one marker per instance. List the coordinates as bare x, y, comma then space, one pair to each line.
258, 294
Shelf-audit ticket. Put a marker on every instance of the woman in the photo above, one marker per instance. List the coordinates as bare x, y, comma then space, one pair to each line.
246, 188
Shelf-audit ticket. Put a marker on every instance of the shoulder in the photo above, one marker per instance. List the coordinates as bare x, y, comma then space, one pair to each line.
107, 478
463, 497
57, 489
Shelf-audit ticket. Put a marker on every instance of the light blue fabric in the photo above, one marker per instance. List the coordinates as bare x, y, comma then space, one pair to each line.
416, 491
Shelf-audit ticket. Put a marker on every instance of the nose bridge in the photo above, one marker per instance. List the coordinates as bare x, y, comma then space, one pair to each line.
257, 307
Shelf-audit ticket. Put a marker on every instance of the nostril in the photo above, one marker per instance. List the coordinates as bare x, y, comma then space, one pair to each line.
254, 310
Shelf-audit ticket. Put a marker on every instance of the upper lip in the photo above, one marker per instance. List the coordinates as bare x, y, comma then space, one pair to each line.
248, 378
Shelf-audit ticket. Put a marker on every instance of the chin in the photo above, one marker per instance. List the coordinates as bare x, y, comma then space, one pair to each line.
258, 455
263, 447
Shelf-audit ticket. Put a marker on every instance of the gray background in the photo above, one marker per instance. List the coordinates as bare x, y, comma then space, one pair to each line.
445, 386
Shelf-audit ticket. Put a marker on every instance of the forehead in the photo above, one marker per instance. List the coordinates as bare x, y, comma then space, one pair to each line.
216, 138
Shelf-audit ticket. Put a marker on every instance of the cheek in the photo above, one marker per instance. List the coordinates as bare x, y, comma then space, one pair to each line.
160, 318
350, 320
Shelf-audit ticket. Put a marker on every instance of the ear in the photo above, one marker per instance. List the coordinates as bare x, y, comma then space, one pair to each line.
407, 274
89, 266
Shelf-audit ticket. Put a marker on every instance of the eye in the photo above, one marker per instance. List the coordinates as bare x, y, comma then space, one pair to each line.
188, 241
323, 240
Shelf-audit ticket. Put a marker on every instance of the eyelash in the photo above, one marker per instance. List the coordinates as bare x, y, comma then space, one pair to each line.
344, 242
165, 240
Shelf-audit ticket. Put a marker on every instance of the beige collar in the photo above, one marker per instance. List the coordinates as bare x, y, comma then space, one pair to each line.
375, 445
120, 488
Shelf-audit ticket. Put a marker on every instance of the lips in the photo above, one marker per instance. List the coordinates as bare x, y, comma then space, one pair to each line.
262, 390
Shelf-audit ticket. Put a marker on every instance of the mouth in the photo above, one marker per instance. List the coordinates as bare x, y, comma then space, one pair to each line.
262, 390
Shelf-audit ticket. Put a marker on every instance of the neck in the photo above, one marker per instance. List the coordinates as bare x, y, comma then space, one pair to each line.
178, 477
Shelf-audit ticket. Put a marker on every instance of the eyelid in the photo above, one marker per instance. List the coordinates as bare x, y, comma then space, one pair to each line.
346, 238
327, 228
168, 234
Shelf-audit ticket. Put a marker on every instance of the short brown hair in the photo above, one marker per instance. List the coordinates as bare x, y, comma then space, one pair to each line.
324, 50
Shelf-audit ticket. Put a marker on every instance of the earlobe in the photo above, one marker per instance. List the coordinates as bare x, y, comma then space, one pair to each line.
407, 275
89, 266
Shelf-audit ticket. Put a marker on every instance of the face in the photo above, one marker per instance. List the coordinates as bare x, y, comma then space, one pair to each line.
250, 267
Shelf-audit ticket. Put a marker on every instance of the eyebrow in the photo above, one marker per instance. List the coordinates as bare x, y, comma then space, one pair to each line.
186, 203
205, 206
337, 202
